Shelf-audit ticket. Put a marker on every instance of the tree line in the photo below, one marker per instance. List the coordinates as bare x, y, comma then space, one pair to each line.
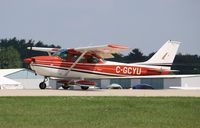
13, 51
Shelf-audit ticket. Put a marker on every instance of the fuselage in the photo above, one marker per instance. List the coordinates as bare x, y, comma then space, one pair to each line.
53, 66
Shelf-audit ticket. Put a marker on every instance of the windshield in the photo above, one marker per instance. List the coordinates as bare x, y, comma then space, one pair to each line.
61, 53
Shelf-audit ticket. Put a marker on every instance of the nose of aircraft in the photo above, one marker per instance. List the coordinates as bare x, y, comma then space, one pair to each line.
42, 58
28, 60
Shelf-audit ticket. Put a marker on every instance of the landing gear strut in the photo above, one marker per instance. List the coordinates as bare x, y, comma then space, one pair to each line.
43, 85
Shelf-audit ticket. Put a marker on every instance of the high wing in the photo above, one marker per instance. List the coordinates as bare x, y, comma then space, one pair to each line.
104, 51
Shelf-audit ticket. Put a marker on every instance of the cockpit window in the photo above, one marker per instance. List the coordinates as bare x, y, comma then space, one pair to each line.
92, 59
82, 60
75, 57
61, 53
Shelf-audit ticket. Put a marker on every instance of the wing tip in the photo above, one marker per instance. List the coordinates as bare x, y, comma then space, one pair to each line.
117, 46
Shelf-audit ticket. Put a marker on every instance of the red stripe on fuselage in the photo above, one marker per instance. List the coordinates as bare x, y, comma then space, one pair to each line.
104, 68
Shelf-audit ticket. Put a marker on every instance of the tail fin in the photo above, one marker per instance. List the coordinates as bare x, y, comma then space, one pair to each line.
165, 55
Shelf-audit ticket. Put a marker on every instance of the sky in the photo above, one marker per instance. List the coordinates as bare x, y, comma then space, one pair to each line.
143, 24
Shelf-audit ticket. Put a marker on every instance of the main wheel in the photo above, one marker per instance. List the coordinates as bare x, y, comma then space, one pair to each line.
84, 87
42, 85
65, 86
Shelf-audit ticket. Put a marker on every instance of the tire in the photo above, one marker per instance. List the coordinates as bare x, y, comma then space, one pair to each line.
65, 86
84, 87
42, 85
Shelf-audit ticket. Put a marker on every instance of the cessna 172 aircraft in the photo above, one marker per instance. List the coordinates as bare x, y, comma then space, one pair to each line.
72, 65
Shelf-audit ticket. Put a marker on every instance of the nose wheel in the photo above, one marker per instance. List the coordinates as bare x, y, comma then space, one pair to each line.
43, 85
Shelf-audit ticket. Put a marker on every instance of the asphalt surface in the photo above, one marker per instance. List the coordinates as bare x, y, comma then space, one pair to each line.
102, 92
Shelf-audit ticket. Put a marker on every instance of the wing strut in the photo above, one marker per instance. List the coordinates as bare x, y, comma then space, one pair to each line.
74, 64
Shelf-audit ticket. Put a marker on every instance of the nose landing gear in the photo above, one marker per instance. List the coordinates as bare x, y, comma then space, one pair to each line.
43, 85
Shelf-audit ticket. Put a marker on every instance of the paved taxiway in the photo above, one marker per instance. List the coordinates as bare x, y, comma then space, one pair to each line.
102, 92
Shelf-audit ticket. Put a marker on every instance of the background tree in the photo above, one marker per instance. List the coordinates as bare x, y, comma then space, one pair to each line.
21, 47
117, 58
135, 56
9, 58
187, 64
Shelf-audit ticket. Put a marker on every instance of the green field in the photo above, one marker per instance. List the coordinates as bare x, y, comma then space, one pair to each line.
99, 112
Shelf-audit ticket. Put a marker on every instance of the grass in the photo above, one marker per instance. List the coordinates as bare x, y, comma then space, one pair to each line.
99, 112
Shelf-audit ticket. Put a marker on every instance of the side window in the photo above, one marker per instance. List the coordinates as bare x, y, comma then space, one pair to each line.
92, 59
75, 57
82, 60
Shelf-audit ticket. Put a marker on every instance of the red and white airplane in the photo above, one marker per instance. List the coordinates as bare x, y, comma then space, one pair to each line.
88, 62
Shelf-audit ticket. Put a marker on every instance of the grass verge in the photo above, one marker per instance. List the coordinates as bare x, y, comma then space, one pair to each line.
99, 112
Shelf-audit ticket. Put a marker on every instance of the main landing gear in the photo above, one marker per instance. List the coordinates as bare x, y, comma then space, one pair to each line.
84, 84
65, 86
84, 87
43, 85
